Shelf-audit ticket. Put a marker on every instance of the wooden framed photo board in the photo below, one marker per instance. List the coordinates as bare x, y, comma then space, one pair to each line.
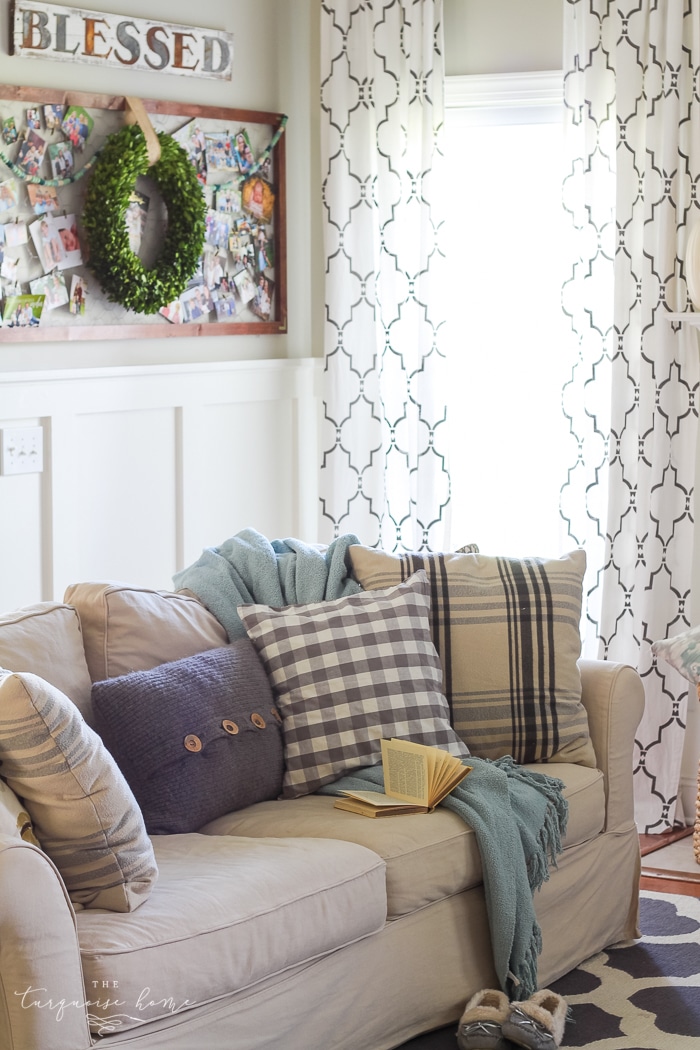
48, 291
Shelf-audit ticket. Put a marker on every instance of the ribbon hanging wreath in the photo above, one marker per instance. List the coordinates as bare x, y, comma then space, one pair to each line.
121, 273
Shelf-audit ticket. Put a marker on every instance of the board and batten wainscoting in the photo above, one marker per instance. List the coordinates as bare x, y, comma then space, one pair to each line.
144, 466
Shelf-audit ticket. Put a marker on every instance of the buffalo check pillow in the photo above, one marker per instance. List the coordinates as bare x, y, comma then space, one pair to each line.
508, 634
347, 673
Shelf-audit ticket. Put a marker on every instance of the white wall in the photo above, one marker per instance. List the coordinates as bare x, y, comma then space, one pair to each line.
144, 467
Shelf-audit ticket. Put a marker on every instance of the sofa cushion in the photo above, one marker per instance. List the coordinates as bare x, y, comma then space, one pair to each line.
508, 634
348, 672
84, 814
195, 738
14, 819
228, 913
46, 640
428, 856
133, 628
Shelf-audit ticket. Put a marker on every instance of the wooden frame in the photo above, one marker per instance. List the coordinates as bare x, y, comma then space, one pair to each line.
155, 326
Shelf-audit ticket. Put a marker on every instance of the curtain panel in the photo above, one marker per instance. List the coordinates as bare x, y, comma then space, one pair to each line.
384, 474
631, 192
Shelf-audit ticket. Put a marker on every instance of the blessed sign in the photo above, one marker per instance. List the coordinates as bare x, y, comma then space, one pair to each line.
69, 34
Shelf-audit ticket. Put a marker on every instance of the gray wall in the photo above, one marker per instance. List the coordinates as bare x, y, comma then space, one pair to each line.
502, 36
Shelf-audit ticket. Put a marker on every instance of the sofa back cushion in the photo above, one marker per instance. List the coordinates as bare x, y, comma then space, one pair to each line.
129, 628
195, 738
508, 634
84, 814
46, 640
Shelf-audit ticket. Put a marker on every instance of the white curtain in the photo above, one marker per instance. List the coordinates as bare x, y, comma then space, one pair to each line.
384, 474
633, 129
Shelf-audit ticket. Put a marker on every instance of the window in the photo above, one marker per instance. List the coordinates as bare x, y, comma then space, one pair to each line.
508, 434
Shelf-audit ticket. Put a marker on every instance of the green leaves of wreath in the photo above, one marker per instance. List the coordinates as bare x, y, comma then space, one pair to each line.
120, 272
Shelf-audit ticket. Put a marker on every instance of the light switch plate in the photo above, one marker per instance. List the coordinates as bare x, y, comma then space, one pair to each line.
21, 450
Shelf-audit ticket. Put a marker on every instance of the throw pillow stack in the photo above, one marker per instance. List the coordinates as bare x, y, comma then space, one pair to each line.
473, 654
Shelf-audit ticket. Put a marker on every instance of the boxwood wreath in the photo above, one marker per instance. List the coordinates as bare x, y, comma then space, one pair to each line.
120, 272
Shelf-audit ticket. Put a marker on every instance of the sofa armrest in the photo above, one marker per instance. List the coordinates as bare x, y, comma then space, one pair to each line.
613, 696
42, 998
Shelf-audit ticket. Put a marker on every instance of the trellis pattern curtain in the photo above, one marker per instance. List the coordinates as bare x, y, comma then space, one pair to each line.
384, 474
632, 99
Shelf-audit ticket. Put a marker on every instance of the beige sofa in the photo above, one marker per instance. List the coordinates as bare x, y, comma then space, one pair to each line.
287, 923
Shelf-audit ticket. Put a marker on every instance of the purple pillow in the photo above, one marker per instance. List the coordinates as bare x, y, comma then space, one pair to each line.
195, 738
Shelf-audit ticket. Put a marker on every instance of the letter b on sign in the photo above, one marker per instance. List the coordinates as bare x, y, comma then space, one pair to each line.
35, 22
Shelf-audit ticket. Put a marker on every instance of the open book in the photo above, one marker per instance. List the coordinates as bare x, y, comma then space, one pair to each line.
416, 778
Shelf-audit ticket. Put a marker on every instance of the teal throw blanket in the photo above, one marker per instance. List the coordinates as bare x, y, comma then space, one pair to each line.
250, 568
519, 818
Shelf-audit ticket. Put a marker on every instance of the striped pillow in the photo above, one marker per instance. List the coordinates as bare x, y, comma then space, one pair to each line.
84, 814
507, 631
348, 672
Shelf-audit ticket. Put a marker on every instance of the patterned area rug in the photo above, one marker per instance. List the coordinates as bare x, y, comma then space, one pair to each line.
645, 997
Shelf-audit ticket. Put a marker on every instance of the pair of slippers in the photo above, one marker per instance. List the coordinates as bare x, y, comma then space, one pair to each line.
491, 1022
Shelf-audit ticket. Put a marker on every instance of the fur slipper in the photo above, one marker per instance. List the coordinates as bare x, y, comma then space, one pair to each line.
480, 1024
537, 1023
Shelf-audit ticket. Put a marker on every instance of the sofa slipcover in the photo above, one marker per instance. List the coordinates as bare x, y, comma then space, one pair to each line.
428, 856
228, 913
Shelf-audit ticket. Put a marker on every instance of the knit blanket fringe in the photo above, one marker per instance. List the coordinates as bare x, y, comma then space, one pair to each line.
519, 819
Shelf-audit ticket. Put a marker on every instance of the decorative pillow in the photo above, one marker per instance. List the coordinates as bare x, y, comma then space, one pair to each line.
83, 812
195, 738
508, 634
133, 628
682, 652
45, 639
14, 819
348, 672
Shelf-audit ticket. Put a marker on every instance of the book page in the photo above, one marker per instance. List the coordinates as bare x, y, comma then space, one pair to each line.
406, 771
447, 774
375, 798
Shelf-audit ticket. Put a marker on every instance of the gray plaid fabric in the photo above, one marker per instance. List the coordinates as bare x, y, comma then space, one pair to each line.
507, 631
347, 673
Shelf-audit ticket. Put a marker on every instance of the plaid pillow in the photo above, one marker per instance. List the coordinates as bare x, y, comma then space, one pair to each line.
348, 672
507, 631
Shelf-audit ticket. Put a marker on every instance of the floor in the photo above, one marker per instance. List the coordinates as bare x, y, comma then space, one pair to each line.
669, 864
